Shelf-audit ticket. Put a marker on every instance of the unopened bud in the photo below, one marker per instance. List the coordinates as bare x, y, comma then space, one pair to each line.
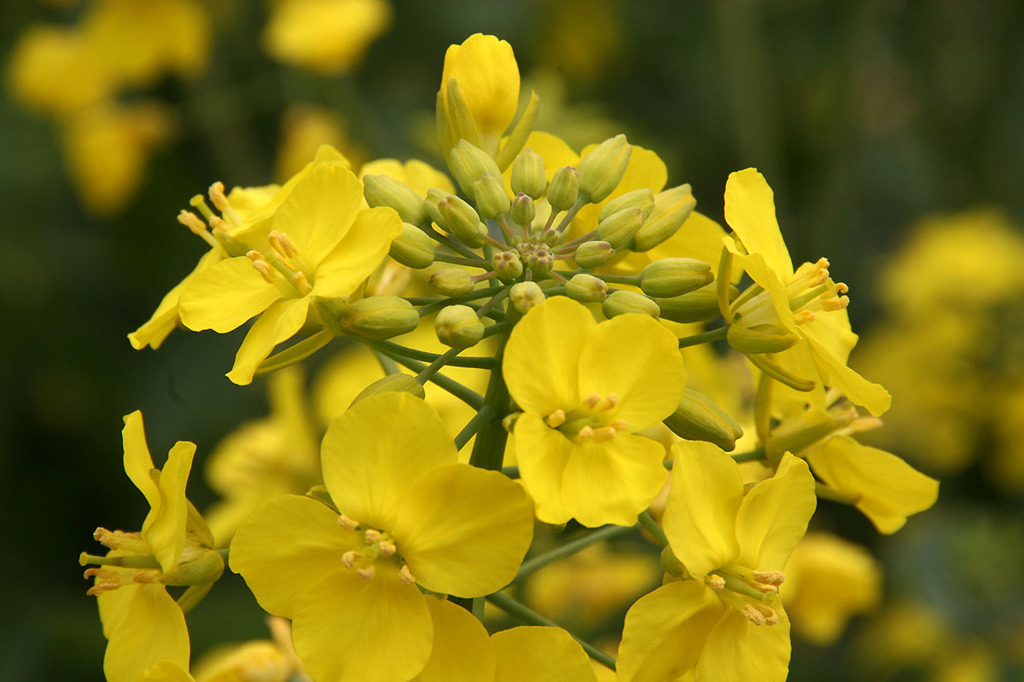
675, 276
757, 341
564, 188
491, 199
525, 295
468, 164
671, 209
523, 210
540, 261
392, 383
638, 198
624, 302
458, 326
696, 306
412, 247
528, 176
375, 318
602, 169
586, 288
452, 282
697, 417
591, 254
384, 190
508, 266
462, 220
430, 205
619, 228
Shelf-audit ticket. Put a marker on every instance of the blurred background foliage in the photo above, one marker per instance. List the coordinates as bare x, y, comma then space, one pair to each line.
891, 131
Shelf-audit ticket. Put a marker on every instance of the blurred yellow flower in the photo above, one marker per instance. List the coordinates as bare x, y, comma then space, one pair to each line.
304, 129
325, 36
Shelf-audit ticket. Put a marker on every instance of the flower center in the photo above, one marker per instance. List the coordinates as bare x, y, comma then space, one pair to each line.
379, 550
809, 290
594, 420
752, 593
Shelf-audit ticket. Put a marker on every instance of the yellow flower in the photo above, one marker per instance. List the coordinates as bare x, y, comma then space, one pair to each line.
724, 622
409, 516
803, 302
325, 36
322, 244
304, 128
141, 620
585, 389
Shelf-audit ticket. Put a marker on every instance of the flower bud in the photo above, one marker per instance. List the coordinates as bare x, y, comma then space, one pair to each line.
508, 266
462, 220
392, 383
756, 341
452, 282
384, 190
619, 228
697, 417
468, 164
638, 198
528, 175
623, 302
696, 306
671, 209
430, 205
591, 254
540, 261
564, 188
675, 276
376, 317
602, 169
413, 247
458, 326
523, 210
586, 288
525, 295
491, 199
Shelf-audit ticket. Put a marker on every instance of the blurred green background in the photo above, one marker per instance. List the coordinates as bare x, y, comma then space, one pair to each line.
863, 116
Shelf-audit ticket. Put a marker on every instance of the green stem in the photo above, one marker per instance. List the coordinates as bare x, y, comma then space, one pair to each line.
459, 260
489, 448
514, 608
466, 395
749, 456
387, 364
568, 549
704, 337
434, 367
390, 348
648, 522
474, 424
124, 561
452, 244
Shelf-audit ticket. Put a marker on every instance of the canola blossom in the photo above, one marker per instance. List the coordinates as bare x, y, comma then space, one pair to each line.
530, 354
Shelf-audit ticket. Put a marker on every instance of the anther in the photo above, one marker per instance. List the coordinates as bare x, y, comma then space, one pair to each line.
282, 244
715, 582
372, 536
804, 317
555, 419
775, 578
347, 523
753, 615
591, 401
585, 434
387, 548
348, 559
146, 576
192, 222
619, 424
220, 200
368, 572
302, 283
406, 576
604, 433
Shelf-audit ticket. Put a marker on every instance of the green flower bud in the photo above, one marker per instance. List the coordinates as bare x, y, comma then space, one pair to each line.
697, 417
602, 169
491, 199
413, 247
523, 210
468, 164
623, 302
525, 295
528, 174
458, 326
638, 198
619, 228
756, 341
384, 190
675, 276
671, 209
203, 566
564, 188
392, 383
696, 306
508, 266
430, 205
452, 282
376, 318
586, 288
591, 254
540, 261
462, 220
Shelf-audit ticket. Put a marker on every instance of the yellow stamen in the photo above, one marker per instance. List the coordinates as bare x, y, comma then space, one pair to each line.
192, 222
282, 244
406, 576
591, 401
604, 433
348, 559
387, 548
368, 572
753, 614
555, 419
372, 536
585, 434
715, 582
265, 269
302, 283
220, 200
347, 523
775, 578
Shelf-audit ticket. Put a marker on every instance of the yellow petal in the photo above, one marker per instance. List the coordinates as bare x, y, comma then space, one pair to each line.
888, 490
739, 651
166, 530
278, 323
373, 454
542, 358
163, 321
285, 546
153, 630
638, 360
469, 549
418, 175
542, 453
358, 254
665, 631
462, 651
774, 516
540, 654
750, 212
873, 397
225, 295
348, 629
138, 462
166, 671
488, 77
320, 210
612, 481
700, 515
